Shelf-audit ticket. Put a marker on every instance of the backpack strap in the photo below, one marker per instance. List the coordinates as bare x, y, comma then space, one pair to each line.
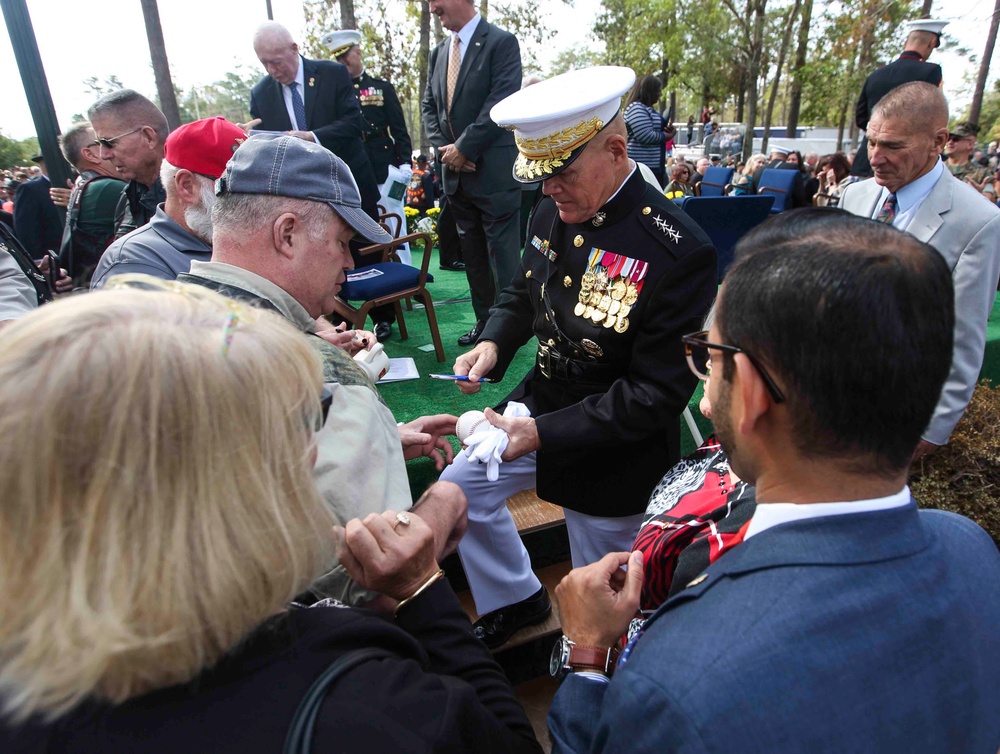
10, 244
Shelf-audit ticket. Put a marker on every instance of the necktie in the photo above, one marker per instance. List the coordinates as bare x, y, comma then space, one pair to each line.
454, 64
888, 212
298, 106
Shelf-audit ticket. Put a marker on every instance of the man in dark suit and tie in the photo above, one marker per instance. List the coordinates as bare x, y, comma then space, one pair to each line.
314, 100
468, 73
923, 38
37, 223
848, 619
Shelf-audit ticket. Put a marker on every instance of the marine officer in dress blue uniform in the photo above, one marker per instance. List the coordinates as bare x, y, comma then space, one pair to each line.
612, 276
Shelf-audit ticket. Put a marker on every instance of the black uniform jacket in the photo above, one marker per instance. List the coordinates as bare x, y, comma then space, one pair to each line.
608, 417
383, 128
908, 67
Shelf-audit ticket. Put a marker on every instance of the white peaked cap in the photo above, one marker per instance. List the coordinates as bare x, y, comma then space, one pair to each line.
554, 119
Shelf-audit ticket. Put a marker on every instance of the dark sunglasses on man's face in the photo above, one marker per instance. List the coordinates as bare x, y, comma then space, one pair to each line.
110, 143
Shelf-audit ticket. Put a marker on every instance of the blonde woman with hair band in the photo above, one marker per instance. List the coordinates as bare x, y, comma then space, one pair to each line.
156, 452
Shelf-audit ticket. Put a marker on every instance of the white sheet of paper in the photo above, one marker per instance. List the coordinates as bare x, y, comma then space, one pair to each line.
401, 369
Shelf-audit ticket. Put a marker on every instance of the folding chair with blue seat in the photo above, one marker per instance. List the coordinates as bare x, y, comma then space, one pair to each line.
780, 183
389, 281
715, 182
726, 219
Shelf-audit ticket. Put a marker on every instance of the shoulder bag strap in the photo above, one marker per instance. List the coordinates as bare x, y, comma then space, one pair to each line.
300, 733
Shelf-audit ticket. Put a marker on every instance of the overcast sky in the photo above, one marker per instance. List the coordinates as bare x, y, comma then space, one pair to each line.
207, 38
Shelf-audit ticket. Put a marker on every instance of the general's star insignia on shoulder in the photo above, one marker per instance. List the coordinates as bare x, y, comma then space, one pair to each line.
668, 230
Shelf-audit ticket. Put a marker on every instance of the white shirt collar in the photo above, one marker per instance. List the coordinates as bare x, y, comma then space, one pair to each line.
767, 515
300, 78
465, 34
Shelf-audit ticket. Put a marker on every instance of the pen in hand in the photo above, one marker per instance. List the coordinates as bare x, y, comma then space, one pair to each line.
458, 378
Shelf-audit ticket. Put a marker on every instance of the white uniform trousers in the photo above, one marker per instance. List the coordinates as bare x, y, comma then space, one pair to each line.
493, 556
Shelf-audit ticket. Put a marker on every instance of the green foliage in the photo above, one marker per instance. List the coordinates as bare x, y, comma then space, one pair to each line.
524, 20
390, 40
989, 115
14, 153
702, 49
573, 58
229, 97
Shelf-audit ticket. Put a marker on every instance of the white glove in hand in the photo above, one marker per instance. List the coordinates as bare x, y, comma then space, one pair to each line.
487, 445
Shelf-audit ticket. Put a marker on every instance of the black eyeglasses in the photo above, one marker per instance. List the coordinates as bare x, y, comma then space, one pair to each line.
110, 143
325, 401
696, 347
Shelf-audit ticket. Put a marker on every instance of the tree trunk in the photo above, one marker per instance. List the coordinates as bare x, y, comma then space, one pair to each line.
795, 99
484, 7
347, 19
984, 67
753, 72
422, 56
161, 68
926, 11
786, 39
845, 103
864, 60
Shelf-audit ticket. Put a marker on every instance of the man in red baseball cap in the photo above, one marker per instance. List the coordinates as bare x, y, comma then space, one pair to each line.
195, 156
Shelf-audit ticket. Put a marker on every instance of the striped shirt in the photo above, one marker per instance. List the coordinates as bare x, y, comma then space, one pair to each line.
645, 135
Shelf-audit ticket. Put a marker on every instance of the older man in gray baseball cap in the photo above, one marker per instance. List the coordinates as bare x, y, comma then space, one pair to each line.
285, 212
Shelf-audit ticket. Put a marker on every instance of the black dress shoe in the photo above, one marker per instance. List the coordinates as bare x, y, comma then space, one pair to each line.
496, 628
455, 266
470, 338
383, 331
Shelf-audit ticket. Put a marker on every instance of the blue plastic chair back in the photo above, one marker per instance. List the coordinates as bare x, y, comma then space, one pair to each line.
726, 219
715, 181
779, 184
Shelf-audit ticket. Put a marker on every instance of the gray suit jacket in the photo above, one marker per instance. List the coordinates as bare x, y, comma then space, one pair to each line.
490, 71
965, 229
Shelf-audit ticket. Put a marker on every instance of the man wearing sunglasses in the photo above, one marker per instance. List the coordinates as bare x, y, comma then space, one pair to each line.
180, 231
131, 132
958, 151
847, 619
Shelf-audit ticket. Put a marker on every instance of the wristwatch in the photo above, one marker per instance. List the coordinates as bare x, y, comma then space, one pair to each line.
568, 656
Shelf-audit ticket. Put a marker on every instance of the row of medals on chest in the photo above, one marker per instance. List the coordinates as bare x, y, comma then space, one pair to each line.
606, 301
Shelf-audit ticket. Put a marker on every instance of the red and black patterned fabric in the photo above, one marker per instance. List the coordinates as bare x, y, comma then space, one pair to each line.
695, 514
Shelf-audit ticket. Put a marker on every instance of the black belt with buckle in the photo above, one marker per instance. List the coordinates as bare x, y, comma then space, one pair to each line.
553, 365
374, 134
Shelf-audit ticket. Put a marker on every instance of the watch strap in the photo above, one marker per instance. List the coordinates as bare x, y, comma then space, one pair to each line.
583, 657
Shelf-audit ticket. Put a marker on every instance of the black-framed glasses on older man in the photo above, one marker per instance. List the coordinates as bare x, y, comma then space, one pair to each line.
696, 348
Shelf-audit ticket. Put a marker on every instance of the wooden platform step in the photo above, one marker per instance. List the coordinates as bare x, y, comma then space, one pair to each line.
550, 577
531, 513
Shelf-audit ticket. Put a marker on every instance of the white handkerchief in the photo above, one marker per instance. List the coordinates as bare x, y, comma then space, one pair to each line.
487, 445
